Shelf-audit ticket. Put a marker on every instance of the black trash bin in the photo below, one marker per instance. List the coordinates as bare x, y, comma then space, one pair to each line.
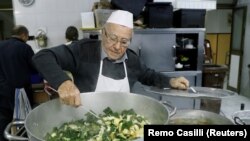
214, 75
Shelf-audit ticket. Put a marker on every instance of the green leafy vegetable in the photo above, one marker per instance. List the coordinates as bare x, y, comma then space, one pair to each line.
112, 126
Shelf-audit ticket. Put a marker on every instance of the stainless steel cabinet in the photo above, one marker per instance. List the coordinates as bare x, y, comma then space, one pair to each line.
155, 49
158, 49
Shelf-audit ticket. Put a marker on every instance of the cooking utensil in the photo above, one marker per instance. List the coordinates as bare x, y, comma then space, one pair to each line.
83, 107
191, 88
46, 116
198, 117
89, 111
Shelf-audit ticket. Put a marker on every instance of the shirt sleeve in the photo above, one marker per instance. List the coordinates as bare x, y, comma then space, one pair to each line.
152, 78
52, 62
148, 76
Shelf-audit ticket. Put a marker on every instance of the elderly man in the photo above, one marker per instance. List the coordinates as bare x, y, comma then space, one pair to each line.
107, 65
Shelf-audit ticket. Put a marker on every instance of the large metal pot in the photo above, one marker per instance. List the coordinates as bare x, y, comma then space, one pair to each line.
198, 117
192, 92
45, 117
204, 98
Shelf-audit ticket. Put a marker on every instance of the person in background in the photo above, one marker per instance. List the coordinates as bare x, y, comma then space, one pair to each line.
15, 72
71, 34
107, 65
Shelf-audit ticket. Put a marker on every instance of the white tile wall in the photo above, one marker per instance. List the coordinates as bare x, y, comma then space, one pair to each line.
52, 15
196, 4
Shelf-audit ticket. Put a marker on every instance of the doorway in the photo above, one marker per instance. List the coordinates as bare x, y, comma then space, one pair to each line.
6, 19
237, 43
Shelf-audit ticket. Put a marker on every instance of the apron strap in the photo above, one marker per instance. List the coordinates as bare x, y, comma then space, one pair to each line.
125, 68
100, 71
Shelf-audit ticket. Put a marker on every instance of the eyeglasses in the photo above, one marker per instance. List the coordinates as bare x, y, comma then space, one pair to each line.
113, 39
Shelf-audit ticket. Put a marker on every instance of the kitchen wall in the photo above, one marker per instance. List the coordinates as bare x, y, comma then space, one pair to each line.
53, 16
245, 78
218, 21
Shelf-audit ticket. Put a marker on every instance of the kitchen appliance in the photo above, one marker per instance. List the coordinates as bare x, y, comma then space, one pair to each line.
189, 18
159, 15
45, 117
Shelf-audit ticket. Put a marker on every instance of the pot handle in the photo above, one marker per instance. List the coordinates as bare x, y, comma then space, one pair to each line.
239, 121
173, 108
9, 136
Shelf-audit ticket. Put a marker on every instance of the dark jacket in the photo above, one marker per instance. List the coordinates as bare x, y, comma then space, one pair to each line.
82, 59
15, 69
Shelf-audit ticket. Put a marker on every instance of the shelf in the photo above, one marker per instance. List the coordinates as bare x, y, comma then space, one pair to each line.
186, 49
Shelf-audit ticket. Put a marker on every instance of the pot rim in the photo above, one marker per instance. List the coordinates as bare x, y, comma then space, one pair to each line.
31, 133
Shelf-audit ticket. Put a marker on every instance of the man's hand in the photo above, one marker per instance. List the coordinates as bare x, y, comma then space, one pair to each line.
179, 83
69, 94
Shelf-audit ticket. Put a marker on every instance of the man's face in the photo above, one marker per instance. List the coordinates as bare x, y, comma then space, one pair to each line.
115, 40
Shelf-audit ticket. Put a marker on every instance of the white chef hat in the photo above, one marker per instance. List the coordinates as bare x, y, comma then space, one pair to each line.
121, 17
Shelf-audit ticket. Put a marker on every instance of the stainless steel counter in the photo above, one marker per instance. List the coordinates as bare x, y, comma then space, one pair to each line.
232, 104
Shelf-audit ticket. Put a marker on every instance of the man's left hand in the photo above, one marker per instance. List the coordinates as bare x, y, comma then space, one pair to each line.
179, 83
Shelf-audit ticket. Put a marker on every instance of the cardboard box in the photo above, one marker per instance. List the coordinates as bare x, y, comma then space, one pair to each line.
88, 20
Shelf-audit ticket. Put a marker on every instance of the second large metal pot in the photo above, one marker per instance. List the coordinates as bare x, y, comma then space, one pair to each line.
45, 117
198, 117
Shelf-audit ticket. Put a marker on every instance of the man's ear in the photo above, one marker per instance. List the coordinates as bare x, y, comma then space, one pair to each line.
24, 37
